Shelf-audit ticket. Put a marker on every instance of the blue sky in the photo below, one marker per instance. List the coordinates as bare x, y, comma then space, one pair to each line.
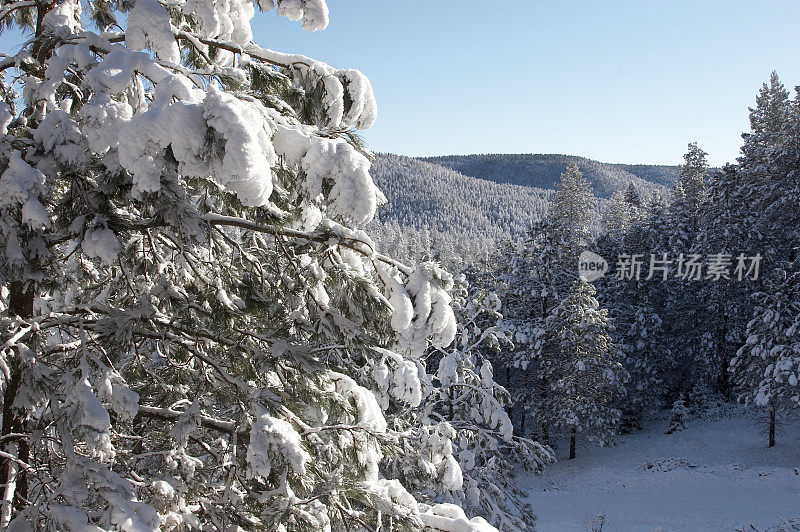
617, 81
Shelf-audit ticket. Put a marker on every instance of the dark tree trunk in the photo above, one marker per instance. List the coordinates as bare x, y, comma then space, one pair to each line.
21, 304
772, 425
21, 300
510, 406
724, 384
8, 421
543, 412
572, 444
450, 394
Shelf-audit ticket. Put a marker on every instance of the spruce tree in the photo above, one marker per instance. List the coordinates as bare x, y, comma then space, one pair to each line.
536, 275
582, 367
644, 360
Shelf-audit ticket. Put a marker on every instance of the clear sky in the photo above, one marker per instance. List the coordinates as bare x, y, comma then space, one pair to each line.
613, 80
617, 81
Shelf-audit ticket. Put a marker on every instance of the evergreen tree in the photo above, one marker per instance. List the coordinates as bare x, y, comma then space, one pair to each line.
644, 360
767, 121
582, 367
766, 369
685, 311
470, 406
572, 209
692, 181
618, 217
536, 275
632, 196
677, 416
191, 313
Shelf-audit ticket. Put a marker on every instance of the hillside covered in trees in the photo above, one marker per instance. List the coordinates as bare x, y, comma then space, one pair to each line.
544, 171
459, 209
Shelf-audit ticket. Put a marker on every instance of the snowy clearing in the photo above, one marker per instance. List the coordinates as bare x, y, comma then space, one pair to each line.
714, 475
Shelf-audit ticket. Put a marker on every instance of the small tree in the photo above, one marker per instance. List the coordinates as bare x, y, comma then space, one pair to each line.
677, 416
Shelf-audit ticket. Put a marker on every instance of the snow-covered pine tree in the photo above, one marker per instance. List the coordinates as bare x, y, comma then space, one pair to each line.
769, 168
729, 304
572, 209
477, 461
632, 196
684, 311
766, 370
767, 122
624, 211
692, 182
513, 275
550, 259
634, 306
644, 360
582, 367
191, 316
751, 209
677, 416
617, 218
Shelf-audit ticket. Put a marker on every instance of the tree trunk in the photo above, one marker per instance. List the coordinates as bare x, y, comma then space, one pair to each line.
450, 394
572, 444
724, 384
21, 300
772, 425
13, 478
511, 405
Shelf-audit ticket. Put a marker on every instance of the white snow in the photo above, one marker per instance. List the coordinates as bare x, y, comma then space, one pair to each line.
428, 286
19, 185
274, 441
65, 17
401, 380
451, 518
314, 13
353, 197
5, 117
226, 20
370, 415
103, 243
737, 480
149, 27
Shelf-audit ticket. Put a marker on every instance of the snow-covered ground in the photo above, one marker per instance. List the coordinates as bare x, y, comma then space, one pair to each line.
721, 476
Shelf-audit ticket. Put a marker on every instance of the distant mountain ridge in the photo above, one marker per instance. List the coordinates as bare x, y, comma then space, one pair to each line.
544, 171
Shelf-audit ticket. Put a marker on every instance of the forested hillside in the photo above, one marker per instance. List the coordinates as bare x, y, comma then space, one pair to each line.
456, 209
436, 212
544, 171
